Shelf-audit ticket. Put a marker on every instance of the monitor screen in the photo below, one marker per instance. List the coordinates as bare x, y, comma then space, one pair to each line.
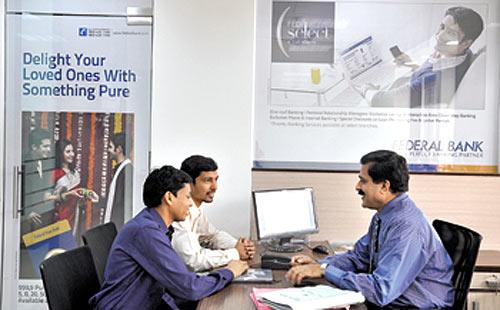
285, 213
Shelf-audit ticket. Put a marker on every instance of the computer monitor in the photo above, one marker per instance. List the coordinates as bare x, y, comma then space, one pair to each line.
282, 214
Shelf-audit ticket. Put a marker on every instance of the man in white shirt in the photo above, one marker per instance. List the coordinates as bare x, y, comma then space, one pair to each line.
437, 80
200, 244
120, 200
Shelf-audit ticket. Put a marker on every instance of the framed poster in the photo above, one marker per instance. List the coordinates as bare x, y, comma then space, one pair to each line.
334, 81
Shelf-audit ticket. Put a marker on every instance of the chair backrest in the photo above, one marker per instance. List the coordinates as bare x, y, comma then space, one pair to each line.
69, 279
99, 239
462, 244
470, 94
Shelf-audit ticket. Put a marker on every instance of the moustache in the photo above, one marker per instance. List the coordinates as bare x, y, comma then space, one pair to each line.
361, 193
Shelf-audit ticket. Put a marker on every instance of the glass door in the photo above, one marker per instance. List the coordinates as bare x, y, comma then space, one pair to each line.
77, 134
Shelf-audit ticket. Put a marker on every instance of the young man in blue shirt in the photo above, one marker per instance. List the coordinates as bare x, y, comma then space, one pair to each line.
401, 261
143, 270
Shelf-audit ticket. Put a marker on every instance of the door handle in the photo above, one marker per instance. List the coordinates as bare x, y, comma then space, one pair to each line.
18, 190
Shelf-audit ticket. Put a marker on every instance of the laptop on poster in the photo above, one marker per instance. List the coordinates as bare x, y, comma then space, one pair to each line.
358, 62
359, 58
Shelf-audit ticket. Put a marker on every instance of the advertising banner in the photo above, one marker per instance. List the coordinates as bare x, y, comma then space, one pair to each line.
417, 78
78, 87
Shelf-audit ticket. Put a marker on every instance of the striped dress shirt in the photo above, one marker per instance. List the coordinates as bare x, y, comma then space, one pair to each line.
411, 267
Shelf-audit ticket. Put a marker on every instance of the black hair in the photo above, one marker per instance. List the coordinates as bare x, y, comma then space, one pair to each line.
37, 135
60, 147
160, 181
194, 165
469, 21
120, 139
387, 165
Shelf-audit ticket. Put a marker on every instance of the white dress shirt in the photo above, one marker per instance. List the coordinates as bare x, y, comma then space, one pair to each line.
398, 93
200, 244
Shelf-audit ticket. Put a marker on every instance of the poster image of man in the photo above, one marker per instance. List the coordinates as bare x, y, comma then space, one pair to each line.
67, 173
38, 163
120, 189
441, 65
437, 80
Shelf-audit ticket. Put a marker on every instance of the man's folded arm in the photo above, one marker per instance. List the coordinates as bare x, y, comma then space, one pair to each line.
223, 240
198, 258
220, 239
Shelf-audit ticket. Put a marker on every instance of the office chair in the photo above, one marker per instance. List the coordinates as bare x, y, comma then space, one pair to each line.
69, 279
99, 239
462, 244
470, 94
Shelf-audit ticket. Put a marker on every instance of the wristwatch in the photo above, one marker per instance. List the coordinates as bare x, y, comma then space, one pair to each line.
323, 268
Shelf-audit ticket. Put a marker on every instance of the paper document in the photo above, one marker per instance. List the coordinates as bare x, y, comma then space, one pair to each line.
311, 297
255, 293
256, 275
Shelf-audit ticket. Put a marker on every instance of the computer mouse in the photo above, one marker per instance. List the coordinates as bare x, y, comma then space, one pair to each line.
321, 249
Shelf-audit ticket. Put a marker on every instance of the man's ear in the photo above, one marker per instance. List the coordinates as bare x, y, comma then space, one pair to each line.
168, 198
386, 186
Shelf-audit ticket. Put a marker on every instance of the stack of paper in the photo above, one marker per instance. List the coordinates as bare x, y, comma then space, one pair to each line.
255, 293
311, 297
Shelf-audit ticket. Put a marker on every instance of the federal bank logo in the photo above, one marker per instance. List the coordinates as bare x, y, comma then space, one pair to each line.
450, 146
94, 32
83, 31
441, 148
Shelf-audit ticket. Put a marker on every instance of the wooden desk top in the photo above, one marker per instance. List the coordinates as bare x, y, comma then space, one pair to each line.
237, 295
488, 261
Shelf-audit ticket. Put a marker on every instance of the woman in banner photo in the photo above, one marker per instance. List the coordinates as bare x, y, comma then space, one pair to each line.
67, 193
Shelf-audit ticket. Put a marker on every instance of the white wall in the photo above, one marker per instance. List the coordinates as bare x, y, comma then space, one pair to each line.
2, 130
202, 96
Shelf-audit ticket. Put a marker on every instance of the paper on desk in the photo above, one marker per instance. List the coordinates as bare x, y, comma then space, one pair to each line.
312, 297
255, 296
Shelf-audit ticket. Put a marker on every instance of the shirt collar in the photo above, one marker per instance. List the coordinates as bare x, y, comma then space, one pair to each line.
446, 62
194, 212
168, 230
392, 205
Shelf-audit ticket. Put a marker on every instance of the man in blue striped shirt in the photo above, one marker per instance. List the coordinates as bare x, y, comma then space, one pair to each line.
401, 261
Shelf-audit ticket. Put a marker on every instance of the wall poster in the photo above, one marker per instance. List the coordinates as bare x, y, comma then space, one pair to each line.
77, 130
338, 79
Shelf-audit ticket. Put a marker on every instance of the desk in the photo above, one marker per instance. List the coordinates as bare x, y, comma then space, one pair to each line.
485, 285
237, 295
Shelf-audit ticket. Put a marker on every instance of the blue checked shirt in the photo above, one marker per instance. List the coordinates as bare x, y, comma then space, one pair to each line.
144, 272
410, 265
